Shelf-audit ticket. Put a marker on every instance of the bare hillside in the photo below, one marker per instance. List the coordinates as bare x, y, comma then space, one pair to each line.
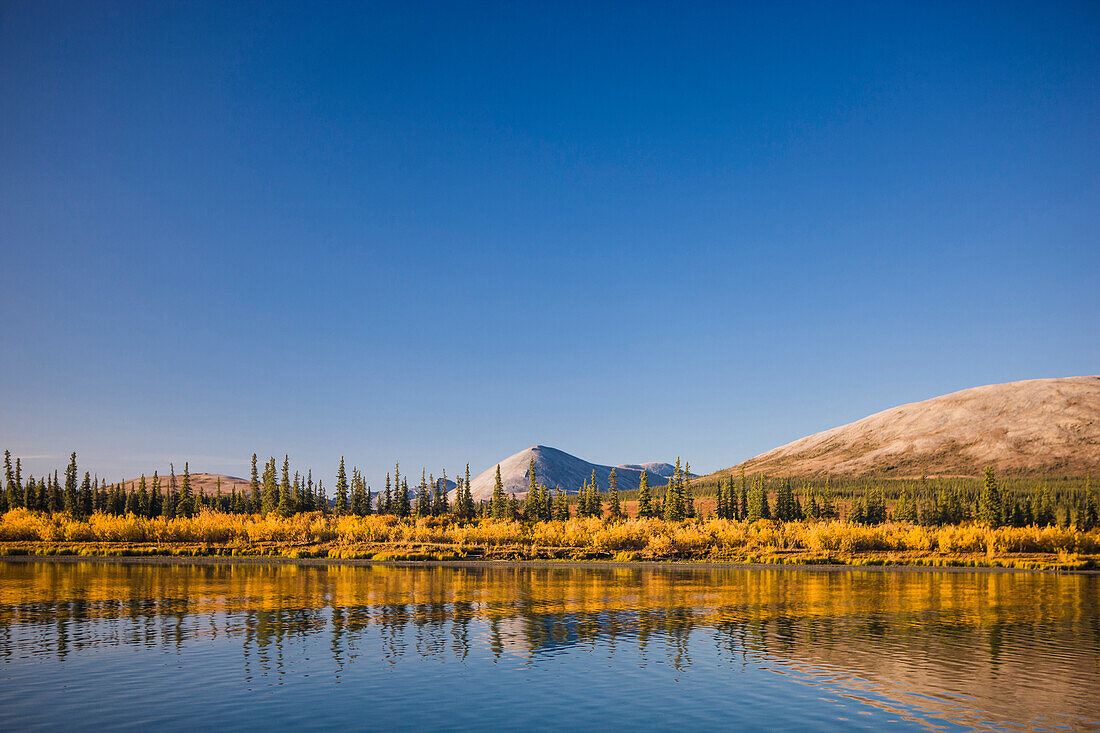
207, 483
1038, 426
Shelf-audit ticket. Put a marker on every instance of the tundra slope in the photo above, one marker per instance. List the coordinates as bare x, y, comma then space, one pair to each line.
1032, 427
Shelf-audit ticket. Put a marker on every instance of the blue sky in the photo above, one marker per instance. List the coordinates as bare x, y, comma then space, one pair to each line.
442, 233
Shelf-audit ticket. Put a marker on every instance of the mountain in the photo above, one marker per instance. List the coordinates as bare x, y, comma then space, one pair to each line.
1038, 426
207, 483
556, 468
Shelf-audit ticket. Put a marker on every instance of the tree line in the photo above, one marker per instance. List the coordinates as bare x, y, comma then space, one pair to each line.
276, 491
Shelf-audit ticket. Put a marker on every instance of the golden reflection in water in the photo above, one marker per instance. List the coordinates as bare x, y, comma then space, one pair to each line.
973, 648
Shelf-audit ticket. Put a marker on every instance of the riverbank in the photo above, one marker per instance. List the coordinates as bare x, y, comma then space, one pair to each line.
206, 555
386, 538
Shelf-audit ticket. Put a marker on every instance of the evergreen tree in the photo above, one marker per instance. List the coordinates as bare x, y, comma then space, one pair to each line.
499, 503
722, 503
876, 506
858, 512
758, 501
303, 501
20, 492
132, 502
358, 493
1088, 516
950, 506
905, 510
57, 502
674, 506
595, 506
86, 495
30, 494
533, 505
185, 505
440, 505
645, 503
156, 499
783, 498
686, 497
464, 500
342, 505
286, 506
809, 501
423, 498
254, 497
743, 508
404, 506
468, 487
72, 500
614, 506
990, 504
11, 491
561, 506
143, 497
1042, 508
269, 490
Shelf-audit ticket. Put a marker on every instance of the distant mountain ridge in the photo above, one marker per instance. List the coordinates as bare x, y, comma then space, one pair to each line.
206, 483
556, 468
1037, 426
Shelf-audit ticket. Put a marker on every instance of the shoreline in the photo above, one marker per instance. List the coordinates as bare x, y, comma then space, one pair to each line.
213, 560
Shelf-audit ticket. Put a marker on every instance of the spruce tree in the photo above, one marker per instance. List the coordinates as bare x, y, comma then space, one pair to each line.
185, 505
72, 500
645, 503
286, 491
686, 497
20, 492
156, 500
303, 502
561, 506
143, 496
759, 507
11, 501
468, 509
990, 504
813, 509
168, 506
499, 504
404, 507
674, 505
905, 510
722, 502
86, 495
876, 506
423, 498
614, 506
440, 505
743, 508
341, 490
254, 497
533, 503
1088, 515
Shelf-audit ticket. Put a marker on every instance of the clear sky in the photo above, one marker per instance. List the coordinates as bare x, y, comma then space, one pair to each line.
444, 232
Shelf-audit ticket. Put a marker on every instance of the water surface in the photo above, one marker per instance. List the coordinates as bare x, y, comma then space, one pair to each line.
252, 647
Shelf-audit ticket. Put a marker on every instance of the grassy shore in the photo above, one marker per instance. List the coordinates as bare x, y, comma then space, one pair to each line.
385, 538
